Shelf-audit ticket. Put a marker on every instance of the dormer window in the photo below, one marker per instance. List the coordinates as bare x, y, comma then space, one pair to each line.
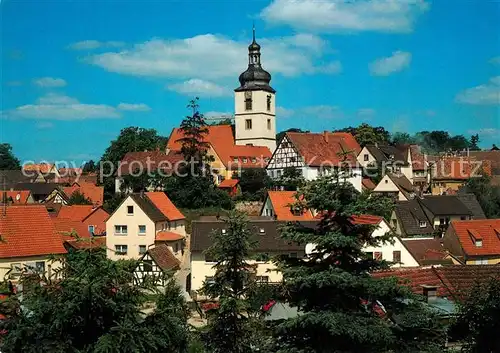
235, 159
254, 160
476, 237
479, 243
262, 231
245, 160
296, 211
422, 224
224, 231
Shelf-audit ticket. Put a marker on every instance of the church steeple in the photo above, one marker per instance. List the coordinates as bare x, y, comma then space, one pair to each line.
255, 77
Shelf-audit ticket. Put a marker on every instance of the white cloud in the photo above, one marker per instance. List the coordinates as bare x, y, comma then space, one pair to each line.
314, 111
58, 107
201, 88
398, 61
346, 15
49, 82
495, 60
140, 107
486, 94
213, 57
485, 132
95, 44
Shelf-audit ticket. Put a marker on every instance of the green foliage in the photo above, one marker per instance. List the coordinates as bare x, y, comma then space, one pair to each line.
281, 134
231, 327
487, 195
375, 204
253, 184
89, 167
7, 159
194, 128
473, 142
291, 179
77, 198
368, 135
112, 203
226, 121
480, 315
96, 308
402, 138
338, 298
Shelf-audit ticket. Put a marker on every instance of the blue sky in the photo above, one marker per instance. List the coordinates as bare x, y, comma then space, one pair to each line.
75, 73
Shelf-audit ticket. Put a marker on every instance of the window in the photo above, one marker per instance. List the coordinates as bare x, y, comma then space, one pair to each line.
481, 262
249, 144
119, 229
269, 124
248, 124
121, 249
292, 159
91, 230
278, 173
223, 231
262, 231
248, 103
130, 210
378, 256
369, 255
40, 266
366, 157
262, 279
422, 224
386, 181
142, 249
209, 279
478, 243
147, 265
268, 103
396, 256
296, 211
254, 160
463, 218
235, 159
142, 229
245, 160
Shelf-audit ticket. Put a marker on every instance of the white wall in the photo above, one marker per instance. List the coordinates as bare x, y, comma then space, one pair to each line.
361, 158
387, 185
132, 239
267, 209
260, 134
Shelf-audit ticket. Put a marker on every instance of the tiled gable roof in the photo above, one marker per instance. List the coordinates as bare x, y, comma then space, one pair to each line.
164, 258
76, 212
282, 201
65, 227
403, 184
410, 214
19, 197
384, 153
417, 158
228, 183
492, 156
462, 168
445, 205
38, 189
43, 168
221, 138
426, 251
163, 203
324, 148
470, 201
157, 159
93, 192
486, 230
28, 231
148, 207
165, 235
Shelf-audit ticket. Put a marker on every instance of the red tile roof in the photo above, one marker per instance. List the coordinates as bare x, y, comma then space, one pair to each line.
168, 236
366, 219
163, 203
76, 212
42, 167
488, 230
93, 192
228, 183
22, 199
282, 201
65, 227
28, 231
221, 138
459, 168
319, 149
164, 258
66, 172
88, 243
426, 250
157, 159
417, 158
368, 184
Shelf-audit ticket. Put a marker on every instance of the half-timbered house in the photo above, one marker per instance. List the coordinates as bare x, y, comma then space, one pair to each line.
158, 264
317, 154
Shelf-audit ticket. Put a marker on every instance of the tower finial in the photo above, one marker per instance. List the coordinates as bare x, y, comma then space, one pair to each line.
253, 30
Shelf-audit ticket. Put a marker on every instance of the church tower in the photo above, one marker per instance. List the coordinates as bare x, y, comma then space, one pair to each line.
254, 104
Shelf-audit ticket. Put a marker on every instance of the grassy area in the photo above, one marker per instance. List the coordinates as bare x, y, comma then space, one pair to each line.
194, 214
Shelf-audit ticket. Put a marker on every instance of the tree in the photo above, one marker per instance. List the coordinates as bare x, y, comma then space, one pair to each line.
89, 167
231, 325
112, 203
376, 204
479, 315
194, 129
77, 198
291, 179
487, 195
253, 183
474, 143
281, 134
368, 135
7, 159
95, 308
402, 138
344, 308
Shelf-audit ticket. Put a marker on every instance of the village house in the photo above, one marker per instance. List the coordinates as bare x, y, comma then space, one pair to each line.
93, 218
48, 170
43, 192
269, 244
17, 197
393, 159
429, 216
29, 242
156, 265
397, 186
474, 241
75, 235
448, 174
317, 154
142, 221
90, 191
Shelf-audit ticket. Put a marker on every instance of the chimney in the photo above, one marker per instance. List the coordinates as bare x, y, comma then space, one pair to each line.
429, 292
325, 135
